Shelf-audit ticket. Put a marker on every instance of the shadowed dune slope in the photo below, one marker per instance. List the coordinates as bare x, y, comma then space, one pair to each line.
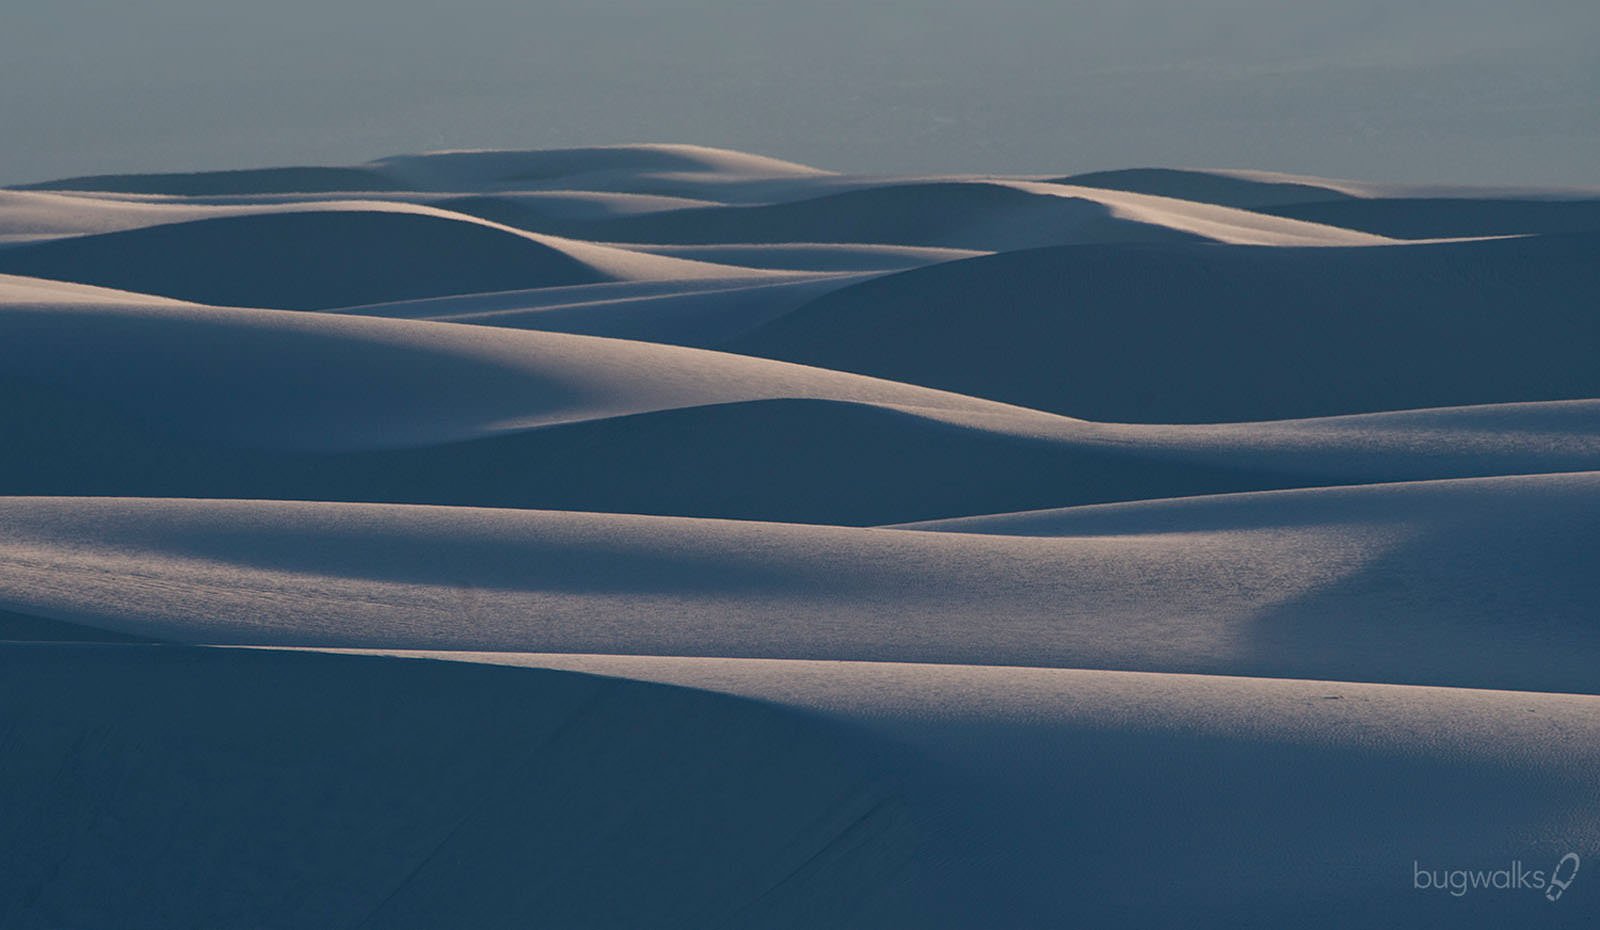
1474, 583
15, 627
700, 313
779, 794
602, 167
1268, 803
605, 167
1176, 333
276, 379
298, 180
785, 459
222, 788
1251, 189
1443, 217
304, 260
804, 461
1245, 190
987, 215
106, 396
939, 214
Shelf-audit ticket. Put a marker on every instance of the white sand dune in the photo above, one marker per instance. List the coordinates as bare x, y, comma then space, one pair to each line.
232, 789
911, 222
461, 171
333, 255
1439, 217
156, 398
982, 214
810, 256
1399, 211
700, 312
1475, 583
20, 290
1206, 222
1247, 190
846, 794
1016, 771
27, 216
1251, 189
301, 179
491, 169
1147, 548
511, 206
1183, 333
333, 381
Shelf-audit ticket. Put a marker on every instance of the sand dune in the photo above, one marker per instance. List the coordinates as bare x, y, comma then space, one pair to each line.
247, 181
127, 397
19, 627
701, 312
321, 258
1394, 210
1477, 583
788, 459
1179, 333
477, 170
1445, 217
1016, 771
329, 381
1251, 189
454, 170
837, 257
1244, 189
37, 215
461, 793
871, 795
983, 214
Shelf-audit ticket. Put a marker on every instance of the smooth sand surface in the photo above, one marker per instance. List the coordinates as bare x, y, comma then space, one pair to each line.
666, 536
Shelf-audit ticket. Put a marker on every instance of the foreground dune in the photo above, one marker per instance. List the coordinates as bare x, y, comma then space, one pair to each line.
846, 794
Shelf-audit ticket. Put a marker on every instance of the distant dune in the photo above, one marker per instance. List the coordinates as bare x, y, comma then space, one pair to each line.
1247, 190
984, 214
319, 259
1443, 217
249, 181
1182, 333
669, 536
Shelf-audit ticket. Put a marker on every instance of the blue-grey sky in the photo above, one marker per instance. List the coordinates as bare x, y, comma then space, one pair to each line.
1437, 90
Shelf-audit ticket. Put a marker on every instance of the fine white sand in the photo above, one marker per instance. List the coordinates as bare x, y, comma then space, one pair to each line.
666, 536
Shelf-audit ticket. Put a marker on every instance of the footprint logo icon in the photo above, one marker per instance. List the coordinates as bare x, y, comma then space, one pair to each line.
1559, 884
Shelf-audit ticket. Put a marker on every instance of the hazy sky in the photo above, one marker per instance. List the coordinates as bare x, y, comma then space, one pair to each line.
1465, 90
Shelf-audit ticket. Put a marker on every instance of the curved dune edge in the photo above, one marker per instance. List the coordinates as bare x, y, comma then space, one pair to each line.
1476, 583
379, 790
17, 627
791, 460
321, 256
329, 380
1186, 333
279, 382
274, 790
